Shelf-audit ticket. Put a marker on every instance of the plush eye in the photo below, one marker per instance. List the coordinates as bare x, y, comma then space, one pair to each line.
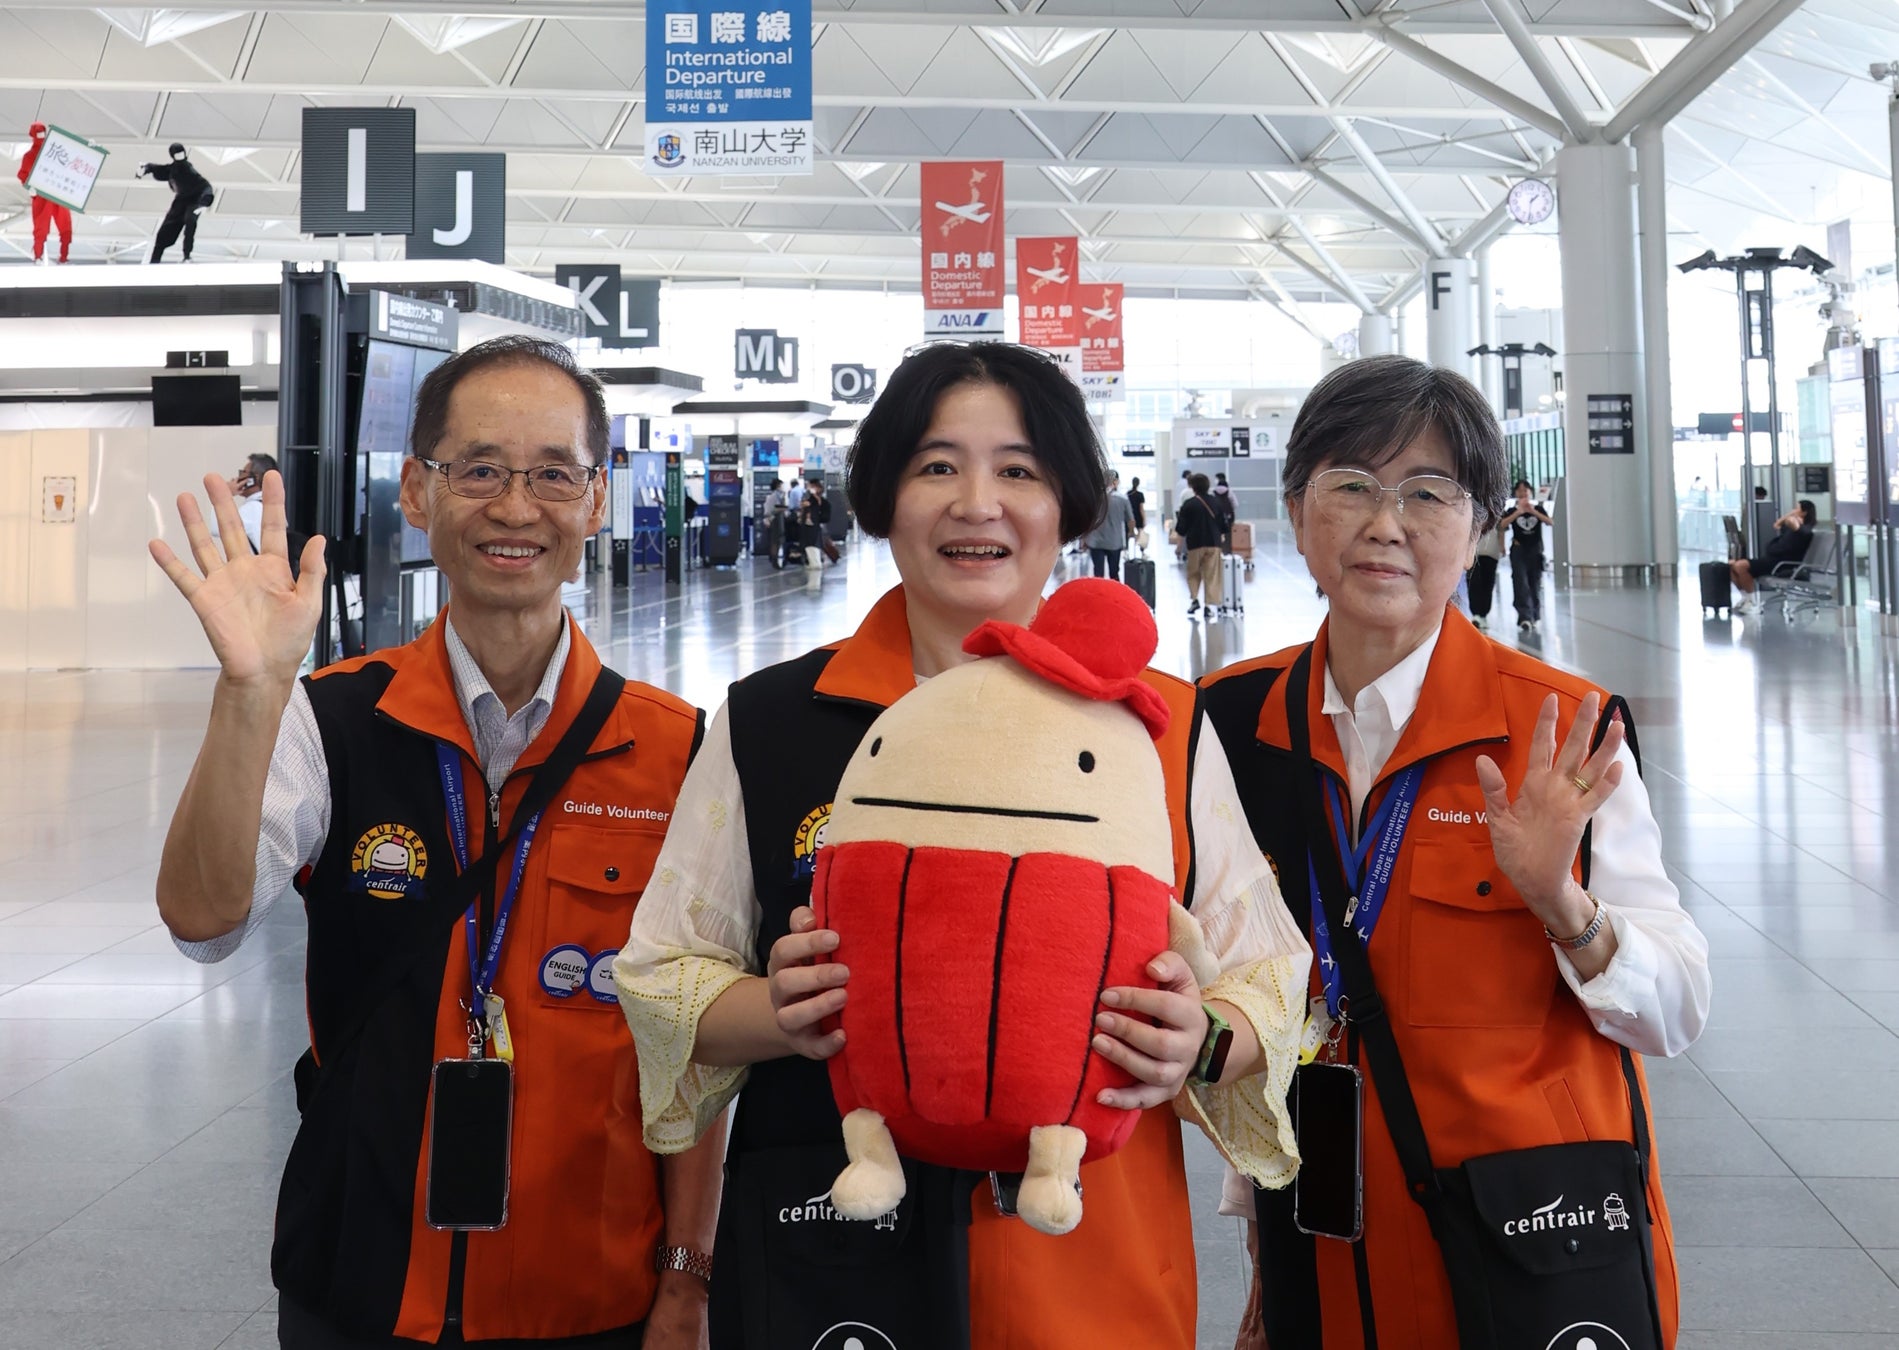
1086, 762
875, 746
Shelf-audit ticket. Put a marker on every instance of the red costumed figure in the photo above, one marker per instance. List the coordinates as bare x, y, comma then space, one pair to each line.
46, 214
998, 853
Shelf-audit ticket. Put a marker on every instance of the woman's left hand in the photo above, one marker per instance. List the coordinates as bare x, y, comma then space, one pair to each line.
1155, 1034
1535, 838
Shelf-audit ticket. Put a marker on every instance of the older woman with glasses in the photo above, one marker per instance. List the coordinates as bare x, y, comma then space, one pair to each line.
1473, 821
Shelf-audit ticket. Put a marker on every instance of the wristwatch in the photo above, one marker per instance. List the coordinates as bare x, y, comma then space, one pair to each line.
1588, 935
683, 1259
1213, 1050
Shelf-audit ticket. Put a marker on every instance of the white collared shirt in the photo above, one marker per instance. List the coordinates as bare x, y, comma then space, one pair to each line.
296, 818
1370, 727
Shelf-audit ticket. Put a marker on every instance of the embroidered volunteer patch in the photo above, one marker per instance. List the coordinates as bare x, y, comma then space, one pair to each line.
389, 862
807, 841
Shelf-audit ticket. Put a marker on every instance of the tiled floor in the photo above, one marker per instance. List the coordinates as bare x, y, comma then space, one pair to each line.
145, 1106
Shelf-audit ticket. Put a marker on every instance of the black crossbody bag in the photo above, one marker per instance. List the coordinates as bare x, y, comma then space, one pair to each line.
1543, 1246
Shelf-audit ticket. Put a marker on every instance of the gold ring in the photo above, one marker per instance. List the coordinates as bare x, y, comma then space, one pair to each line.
1582, 784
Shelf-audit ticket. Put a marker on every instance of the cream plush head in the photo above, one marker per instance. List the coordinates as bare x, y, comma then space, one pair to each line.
1004, 755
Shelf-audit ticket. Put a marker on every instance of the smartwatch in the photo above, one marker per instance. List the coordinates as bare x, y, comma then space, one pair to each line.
1213, 1050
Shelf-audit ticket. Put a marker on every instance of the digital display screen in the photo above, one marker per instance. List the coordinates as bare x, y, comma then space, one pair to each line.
196, 401
392, 374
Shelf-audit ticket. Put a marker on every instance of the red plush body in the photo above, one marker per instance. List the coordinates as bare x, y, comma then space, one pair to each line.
975, 980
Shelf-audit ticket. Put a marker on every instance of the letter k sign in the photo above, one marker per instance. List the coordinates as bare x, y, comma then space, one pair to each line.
596, 291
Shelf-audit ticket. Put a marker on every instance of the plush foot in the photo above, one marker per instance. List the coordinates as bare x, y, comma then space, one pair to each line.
872, 1184
1050, 1198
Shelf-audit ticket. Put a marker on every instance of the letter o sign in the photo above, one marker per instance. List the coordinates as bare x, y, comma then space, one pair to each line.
852, 383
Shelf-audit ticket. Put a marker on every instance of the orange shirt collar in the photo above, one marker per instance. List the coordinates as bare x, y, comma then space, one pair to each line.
874, 665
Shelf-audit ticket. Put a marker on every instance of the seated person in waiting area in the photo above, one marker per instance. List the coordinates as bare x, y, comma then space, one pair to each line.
1793, 532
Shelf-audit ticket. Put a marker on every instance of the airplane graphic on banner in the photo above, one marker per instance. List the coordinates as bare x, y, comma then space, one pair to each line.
962, 247
1103, 358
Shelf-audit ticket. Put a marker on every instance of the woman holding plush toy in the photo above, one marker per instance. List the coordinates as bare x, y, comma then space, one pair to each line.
1464, 832
978, 463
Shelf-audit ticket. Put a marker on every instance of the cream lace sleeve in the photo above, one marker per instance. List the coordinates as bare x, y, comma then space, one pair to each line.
1264, 965
692, 938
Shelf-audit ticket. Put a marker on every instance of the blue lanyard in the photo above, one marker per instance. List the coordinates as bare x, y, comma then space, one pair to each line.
481, 974
1367, 869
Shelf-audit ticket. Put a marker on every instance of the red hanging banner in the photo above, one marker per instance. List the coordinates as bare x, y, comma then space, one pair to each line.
1102, 365
1045, 288
962, 247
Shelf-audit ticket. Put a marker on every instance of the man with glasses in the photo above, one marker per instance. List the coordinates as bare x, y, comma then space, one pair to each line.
405, 788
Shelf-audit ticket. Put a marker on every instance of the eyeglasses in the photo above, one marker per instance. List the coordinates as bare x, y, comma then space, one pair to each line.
1354, 496
485, 480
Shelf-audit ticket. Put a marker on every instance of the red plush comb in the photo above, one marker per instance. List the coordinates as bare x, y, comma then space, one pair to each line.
1092, 637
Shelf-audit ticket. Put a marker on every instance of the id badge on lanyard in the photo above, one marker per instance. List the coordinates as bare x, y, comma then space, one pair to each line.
471, 1101
1368, 869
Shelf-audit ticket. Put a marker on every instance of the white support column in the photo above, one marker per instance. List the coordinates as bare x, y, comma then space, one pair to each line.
1489, 368
1651, 188
1605, 508
1448, 283
1377, 335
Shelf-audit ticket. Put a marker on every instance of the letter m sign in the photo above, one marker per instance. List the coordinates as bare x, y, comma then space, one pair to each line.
761, 354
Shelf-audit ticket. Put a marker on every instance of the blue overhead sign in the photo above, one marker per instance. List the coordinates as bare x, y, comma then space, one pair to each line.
728, 87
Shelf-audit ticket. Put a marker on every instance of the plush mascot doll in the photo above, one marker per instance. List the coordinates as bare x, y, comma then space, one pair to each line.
999, 852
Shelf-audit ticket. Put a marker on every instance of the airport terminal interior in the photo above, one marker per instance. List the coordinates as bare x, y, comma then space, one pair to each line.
1659, 235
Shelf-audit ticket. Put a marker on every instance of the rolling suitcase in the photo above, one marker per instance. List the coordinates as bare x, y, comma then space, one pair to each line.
1139, 574
1232, 601
1717, 587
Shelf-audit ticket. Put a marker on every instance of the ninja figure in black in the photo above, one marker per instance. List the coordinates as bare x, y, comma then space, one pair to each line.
190, 194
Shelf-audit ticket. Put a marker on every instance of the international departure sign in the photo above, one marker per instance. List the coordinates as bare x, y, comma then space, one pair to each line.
1102, 367
728, 87
962, 248
1046, 291
67, 168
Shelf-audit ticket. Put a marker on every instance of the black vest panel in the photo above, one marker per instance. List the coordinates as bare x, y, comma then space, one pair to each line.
790, 746
782, 1281
1288, 1263
345, 1210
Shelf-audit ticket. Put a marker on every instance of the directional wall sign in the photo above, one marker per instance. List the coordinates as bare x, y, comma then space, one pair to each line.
358, 171
1611, 424
596, 288
461, 207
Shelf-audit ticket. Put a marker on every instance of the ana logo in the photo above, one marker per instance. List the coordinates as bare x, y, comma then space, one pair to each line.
853, 1336
1550, 1216
389, 863
669, 151
807, 841
1587, 1336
